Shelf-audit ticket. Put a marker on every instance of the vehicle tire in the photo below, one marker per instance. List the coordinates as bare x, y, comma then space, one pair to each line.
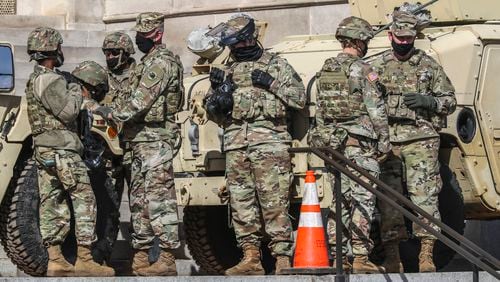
210, 240
212, 243
451, 208
23, 240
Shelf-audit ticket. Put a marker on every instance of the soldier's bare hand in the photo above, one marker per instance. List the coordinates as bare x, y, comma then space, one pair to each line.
85, 92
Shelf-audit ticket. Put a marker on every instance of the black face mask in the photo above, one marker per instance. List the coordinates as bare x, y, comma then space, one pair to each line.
112, 63
59, 58
144, 44
248, 53
402, 49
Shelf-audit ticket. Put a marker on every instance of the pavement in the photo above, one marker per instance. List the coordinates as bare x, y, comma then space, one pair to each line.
438, 277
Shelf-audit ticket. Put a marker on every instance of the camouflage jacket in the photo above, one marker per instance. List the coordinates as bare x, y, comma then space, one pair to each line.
118, 85
370, 119
53, 107
155, 94
419, 74
259, 116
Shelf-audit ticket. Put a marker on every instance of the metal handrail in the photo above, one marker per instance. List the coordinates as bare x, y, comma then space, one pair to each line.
468, 250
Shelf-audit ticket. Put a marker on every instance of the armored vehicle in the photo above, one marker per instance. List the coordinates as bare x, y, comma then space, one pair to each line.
464, 39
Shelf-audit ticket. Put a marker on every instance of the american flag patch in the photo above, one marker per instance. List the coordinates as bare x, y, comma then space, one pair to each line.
372, 76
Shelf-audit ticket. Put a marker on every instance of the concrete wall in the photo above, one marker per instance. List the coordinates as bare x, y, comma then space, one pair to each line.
284, 18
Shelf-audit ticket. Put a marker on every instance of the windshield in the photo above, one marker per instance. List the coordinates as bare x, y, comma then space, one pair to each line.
6, 69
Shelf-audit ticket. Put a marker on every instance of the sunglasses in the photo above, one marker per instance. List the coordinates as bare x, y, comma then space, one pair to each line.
112, 52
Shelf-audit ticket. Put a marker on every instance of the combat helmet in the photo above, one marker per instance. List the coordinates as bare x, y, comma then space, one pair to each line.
354, 28
118, 40
239, 28
44, 39
94, 77
43, 43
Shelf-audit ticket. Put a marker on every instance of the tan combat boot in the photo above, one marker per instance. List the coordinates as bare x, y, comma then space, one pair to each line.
58, 266
86, 266
164, 266
250, 264
425, 262
346, 265
392, 262
141, 260
362, 264
282, 262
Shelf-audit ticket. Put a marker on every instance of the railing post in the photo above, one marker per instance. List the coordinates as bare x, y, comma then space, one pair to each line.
339, 274
475, 273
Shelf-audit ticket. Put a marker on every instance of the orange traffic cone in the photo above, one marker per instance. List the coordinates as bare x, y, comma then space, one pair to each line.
311, 247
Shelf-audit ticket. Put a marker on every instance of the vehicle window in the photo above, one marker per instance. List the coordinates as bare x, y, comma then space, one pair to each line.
6, 69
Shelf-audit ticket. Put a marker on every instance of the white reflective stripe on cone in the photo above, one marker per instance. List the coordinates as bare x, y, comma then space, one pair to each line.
310, 219
310, 194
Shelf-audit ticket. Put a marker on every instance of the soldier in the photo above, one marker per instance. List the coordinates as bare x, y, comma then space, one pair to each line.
256, 142
53, 106
418, 96
351, 117
117, 48
156, 95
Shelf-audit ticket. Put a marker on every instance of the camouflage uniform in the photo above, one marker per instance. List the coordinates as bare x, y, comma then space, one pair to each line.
258, 167
351, 109
413, 132
156, 94
116, 169
53, 106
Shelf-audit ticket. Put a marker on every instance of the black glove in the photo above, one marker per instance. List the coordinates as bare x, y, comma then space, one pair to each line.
104, 112
262, 79
415, 101
68, 76
216, 77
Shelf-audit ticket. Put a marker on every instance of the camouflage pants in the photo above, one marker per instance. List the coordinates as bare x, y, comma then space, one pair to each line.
153, 203
68, 177
358, 204
258, 179
420, 170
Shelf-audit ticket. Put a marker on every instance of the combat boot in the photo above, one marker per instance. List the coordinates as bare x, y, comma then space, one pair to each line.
58, 266
250, 264
141, 260
346, 265
425, 262
282, 262
86, 266
392, 262
164, 266
362, 264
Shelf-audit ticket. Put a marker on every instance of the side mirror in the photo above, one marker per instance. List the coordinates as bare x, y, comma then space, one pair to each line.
6, 68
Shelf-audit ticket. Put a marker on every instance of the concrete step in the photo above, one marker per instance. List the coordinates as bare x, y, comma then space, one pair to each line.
410, 277
75, 38
20, 21
7, 268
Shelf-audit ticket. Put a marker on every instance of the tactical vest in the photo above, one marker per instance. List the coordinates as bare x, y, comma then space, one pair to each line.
40, 118
336, 100
401, 78
171, 100
250, 102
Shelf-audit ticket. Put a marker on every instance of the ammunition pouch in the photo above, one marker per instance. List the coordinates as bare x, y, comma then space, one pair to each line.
335, 100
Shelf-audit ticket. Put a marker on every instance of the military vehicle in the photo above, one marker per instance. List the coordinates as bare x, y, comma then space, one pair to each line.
19, 227
464, 39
